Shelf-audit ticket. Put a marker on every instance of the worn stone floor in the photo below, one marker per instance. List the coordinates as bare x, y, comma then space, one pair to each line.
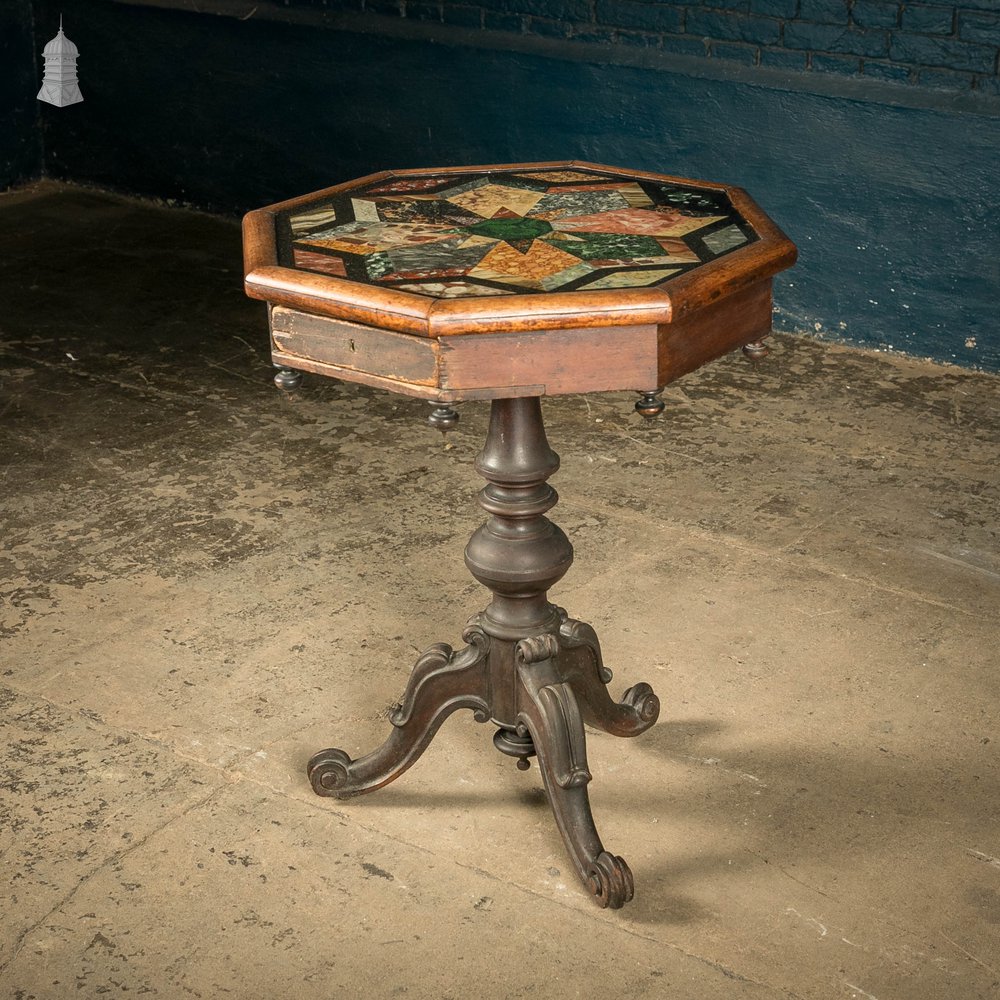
203, 581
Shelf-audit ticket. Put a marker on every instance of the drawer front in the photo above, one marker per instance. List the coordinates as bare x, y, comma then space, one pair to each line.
399, 356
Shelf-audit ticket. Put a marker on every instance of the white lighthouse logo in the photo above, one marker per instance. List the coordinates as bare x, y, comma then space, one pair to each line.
59, 85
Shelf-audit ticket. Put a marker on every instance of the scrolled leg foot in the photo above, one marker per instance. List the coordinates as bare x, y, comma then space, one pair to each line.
327, 771
551, 716
583, 667
643, 702
443, 681
610, 880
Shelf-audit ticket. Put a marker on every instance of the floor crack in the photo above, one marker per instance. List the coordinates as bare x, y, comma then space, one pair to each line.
103, 866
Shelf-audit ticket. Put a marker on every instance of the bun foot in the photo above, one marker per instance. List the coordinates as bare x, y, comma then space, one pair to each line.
443, 417
756, 350
288, 379
610, 880
650, 405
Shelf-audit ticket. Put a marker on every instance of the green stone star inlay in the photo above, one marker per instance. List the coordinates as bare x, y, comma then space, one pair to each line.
510, 229
612, 246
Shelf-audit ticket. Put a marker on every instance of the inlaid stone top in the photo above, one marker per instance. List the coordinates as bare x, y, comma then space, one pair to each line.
510, 232
511, 248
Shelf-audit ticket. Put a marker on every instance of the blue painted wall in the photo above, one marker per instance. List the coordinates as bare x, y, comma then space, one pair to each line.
889, 191
948, 45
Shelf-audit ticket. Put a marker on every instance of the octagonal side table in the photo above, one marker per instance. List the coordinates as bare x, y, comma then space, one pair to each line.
509, 283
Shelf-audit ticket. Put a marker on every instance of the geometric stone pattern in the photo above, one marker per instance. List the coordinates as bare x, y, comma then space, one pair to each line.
510, 232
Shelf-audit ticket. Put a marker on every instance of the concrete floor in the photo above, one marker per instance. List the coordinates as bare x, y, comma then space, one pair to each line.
204, 581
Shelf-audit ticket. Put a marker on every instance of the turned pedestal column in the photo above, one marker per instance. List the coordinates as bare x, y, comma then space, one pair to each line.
533, 672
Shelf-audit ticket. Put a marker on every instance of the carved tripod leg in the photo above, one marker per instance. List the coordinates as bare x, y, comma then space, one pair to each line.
442, 682
581, 665
551, 715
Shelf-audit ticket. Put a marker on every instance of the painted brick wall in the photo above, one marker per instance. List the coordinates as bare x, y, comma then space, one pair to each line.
951, 46
889, 197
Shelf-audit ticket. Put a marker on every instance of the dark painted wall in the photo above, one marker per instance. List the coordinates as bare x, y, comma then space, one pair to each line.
20, 147
949, 45
893, 207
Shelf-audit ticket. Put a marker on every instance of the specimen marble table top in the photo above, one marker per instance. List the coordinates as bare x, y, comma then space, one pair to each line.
664, 272
514, 233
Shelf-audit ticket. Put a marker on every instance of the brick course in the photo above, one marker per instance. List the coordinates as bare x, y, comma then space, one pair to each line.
775, 8
825, 11
943, 53
733, 27
951, 46
638, 14
845, 65
875, 14
829, 38
922, 18
973, 27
